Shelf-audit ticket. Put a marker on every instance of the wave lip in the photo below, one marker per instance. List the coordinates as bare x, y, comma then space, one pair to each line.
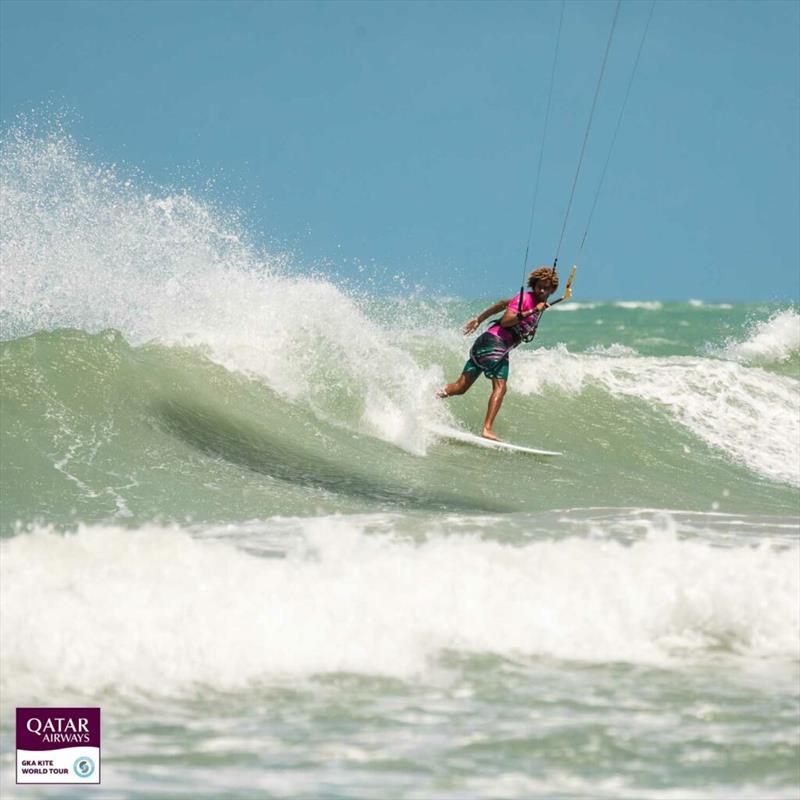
750, 414
771, 341
158, 611
82, 247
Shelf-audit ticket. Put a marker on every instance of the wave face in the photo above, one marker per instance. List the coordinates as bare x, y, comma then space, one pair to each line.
225, 520
95, 428
149, 349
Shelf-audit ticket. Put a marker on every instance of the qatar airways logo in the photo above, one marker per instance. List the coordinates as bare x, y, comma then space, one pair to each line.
58, 745
60, 729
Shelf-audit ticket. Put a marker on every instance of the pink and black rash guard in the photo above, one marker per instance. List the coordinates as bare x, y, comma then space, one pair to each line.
524, 327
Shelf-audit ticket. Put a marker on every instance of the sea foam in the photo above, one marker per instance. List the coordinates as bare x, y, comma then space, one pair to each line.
156, 610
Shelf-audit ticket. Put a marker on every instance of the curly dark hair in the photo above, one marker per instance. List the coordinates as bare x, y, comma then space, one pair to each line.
547, 274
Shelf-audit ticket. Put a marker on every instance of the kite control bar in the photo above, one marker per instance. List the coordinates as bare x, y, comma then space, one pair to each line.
568, 290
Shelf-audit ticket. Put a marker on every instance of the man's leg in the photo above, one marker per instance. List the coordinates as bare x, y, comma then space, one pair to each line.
495, 401
465, 380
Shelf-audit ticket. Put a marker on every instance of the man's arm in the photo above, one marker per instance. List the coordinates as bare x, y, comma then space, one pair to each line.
510, 318
484, 315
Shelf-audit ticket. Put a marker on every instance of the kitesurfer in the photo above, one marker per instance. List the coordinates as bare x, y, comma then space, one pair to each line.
489, 352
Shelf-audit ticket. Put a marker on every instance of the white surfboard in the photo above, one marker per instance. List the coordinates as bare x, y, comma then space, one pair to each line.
454, 434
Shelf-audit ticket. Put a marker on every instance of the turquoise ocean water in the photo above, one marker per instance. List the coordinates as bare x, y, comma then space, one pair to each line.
226, 521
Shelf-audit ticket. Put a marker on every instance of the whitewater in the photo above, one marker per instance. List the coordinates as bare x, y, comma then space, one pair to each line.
226, 520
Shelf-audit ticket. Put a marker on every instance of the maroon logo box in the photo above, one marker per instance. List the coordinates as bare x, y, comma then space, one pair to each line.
55, 728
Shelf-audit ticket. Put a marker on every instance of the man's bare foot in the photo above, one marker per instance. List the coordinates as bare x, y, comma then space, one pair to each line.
490, 434
440, 394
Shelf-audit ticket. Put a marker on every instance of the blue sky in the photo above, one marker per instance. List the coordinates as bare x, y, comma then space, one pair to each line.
404, 137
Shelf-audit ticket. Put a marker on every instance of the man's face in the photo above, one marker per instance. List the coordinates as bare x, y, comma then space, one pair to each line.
542, 290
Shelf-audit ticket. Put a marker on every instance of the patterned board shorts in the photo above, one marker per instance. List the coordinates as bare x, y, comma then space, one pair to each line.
489, 355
